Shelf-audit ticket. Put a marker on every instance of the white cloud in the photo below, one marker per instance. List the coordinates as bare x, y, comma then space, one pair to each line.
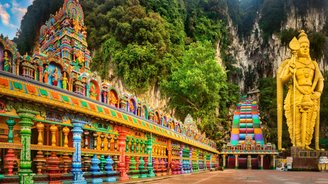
4, 16
18, 11
30, 1
6, 5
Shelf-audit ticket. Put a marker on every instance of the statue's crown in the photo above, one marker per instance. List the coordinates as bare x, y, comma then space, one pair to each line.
302, 37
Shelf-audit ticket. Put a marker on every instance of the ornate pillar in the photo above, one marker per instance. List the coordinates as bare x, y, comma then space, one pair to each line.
169, 156
109, 170
10, 122
149, 144
273, 161
261, 161
190, 160
10, 157
121, 147
76, 160
249, 162
39, 159
211, 164
66, 159
53, 161
223, 161
25, 172
236, 161
181, 160
95, 170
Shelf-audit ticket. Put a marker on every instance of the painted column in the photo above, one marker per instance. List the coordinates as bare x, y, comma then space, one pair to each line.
249, 162
77, 160
190, 160
211, 155
25, 165
10, 158
169, 156
121, 146
223, 161
181, 159
236, 161
261, 161
10, 122
273, 161
149, 144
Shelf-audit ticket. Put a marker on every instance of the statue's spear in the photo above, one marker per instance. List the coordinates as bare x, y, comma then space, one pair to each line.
294, 46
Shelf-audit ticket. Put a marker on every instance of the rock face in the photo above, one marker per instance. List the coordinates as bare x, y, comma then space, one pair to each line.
257, 59
254, 57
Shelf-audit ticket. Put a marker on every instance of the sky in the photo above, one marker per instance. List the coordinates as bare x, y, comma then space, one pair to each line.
11, 14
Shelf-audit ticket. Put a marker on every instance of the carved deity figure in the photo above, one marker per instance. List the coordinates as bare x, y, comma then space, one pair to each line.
7, 64
112, 99
131, 106
93, 92
77, 26
55, 77
104, 95
305, 85
45, 74
64, 81
79, 58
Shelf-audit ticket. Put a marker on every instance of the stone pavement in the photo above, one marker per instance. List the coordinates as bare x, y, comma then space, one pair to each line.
242, 177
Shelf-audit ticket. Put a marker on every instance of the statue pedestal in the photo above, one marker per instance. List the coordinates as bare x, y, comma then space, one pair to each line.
304, 159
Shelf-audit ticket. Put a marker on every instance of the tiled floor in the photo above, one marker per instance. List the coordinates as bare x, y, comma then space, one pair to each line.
248, 177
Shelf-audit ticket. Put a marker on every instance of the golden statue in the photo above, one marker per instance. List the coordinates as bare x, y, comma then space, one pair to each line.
113, 99
77, 26
302, 102
79, 58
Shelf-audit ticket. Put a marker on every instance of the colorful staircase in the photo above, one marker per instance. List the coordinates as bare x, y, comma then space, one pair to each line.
246, 123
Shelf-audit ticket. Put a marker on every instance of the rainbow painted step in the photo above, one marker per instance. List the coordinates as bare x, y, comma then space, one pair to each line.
246, 124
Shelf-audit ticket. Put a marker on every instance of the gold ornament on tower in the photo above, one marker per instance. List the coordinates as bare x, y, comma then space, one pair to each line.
302, 103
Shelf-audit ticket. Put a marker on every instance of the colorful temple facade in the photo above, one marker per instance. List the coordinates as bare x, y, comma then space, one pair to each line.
247, 148
61, 123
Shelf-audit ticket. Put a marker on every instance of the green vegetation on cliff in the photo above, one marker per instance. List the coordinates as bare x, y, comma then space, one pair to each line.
170, 44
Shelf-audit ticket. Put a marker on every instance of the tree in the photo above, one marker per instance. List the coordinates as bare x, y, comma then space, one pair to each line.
198, 86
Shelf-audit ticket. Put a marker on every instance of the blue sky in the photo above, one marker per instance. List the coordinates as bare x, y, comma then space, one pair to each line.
11, 14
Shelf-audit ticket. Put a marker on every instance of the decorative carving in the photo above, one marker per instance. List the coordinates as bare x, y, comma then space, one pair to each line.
54, 116
95, 140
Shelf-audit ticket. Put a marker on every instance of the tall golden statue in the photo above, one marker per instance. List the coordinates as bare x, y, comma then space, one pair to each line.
302, 102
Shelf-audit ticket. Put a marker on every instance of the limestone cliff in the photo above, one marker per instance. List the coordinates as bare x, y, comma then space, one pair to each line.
258, 58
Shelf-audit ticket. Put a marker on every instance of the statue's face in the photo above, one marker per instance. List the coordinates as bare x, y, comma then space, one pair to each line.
304, 49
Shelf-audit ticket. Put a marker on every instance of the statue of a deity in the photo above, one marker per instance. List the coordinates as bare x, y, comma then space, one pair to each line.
112, 99
45, 74
7, 64
77, 26
79, 58
302, 103
64, 81
55, 77
131, 106
93, 92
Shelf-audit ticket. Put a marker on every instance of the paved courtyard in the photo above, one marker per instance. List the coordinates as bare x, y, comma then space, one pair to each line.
248, 177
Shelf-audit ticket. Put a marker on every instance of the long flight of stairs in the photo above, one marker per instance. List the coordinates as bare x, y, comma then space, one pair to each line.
246, 123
